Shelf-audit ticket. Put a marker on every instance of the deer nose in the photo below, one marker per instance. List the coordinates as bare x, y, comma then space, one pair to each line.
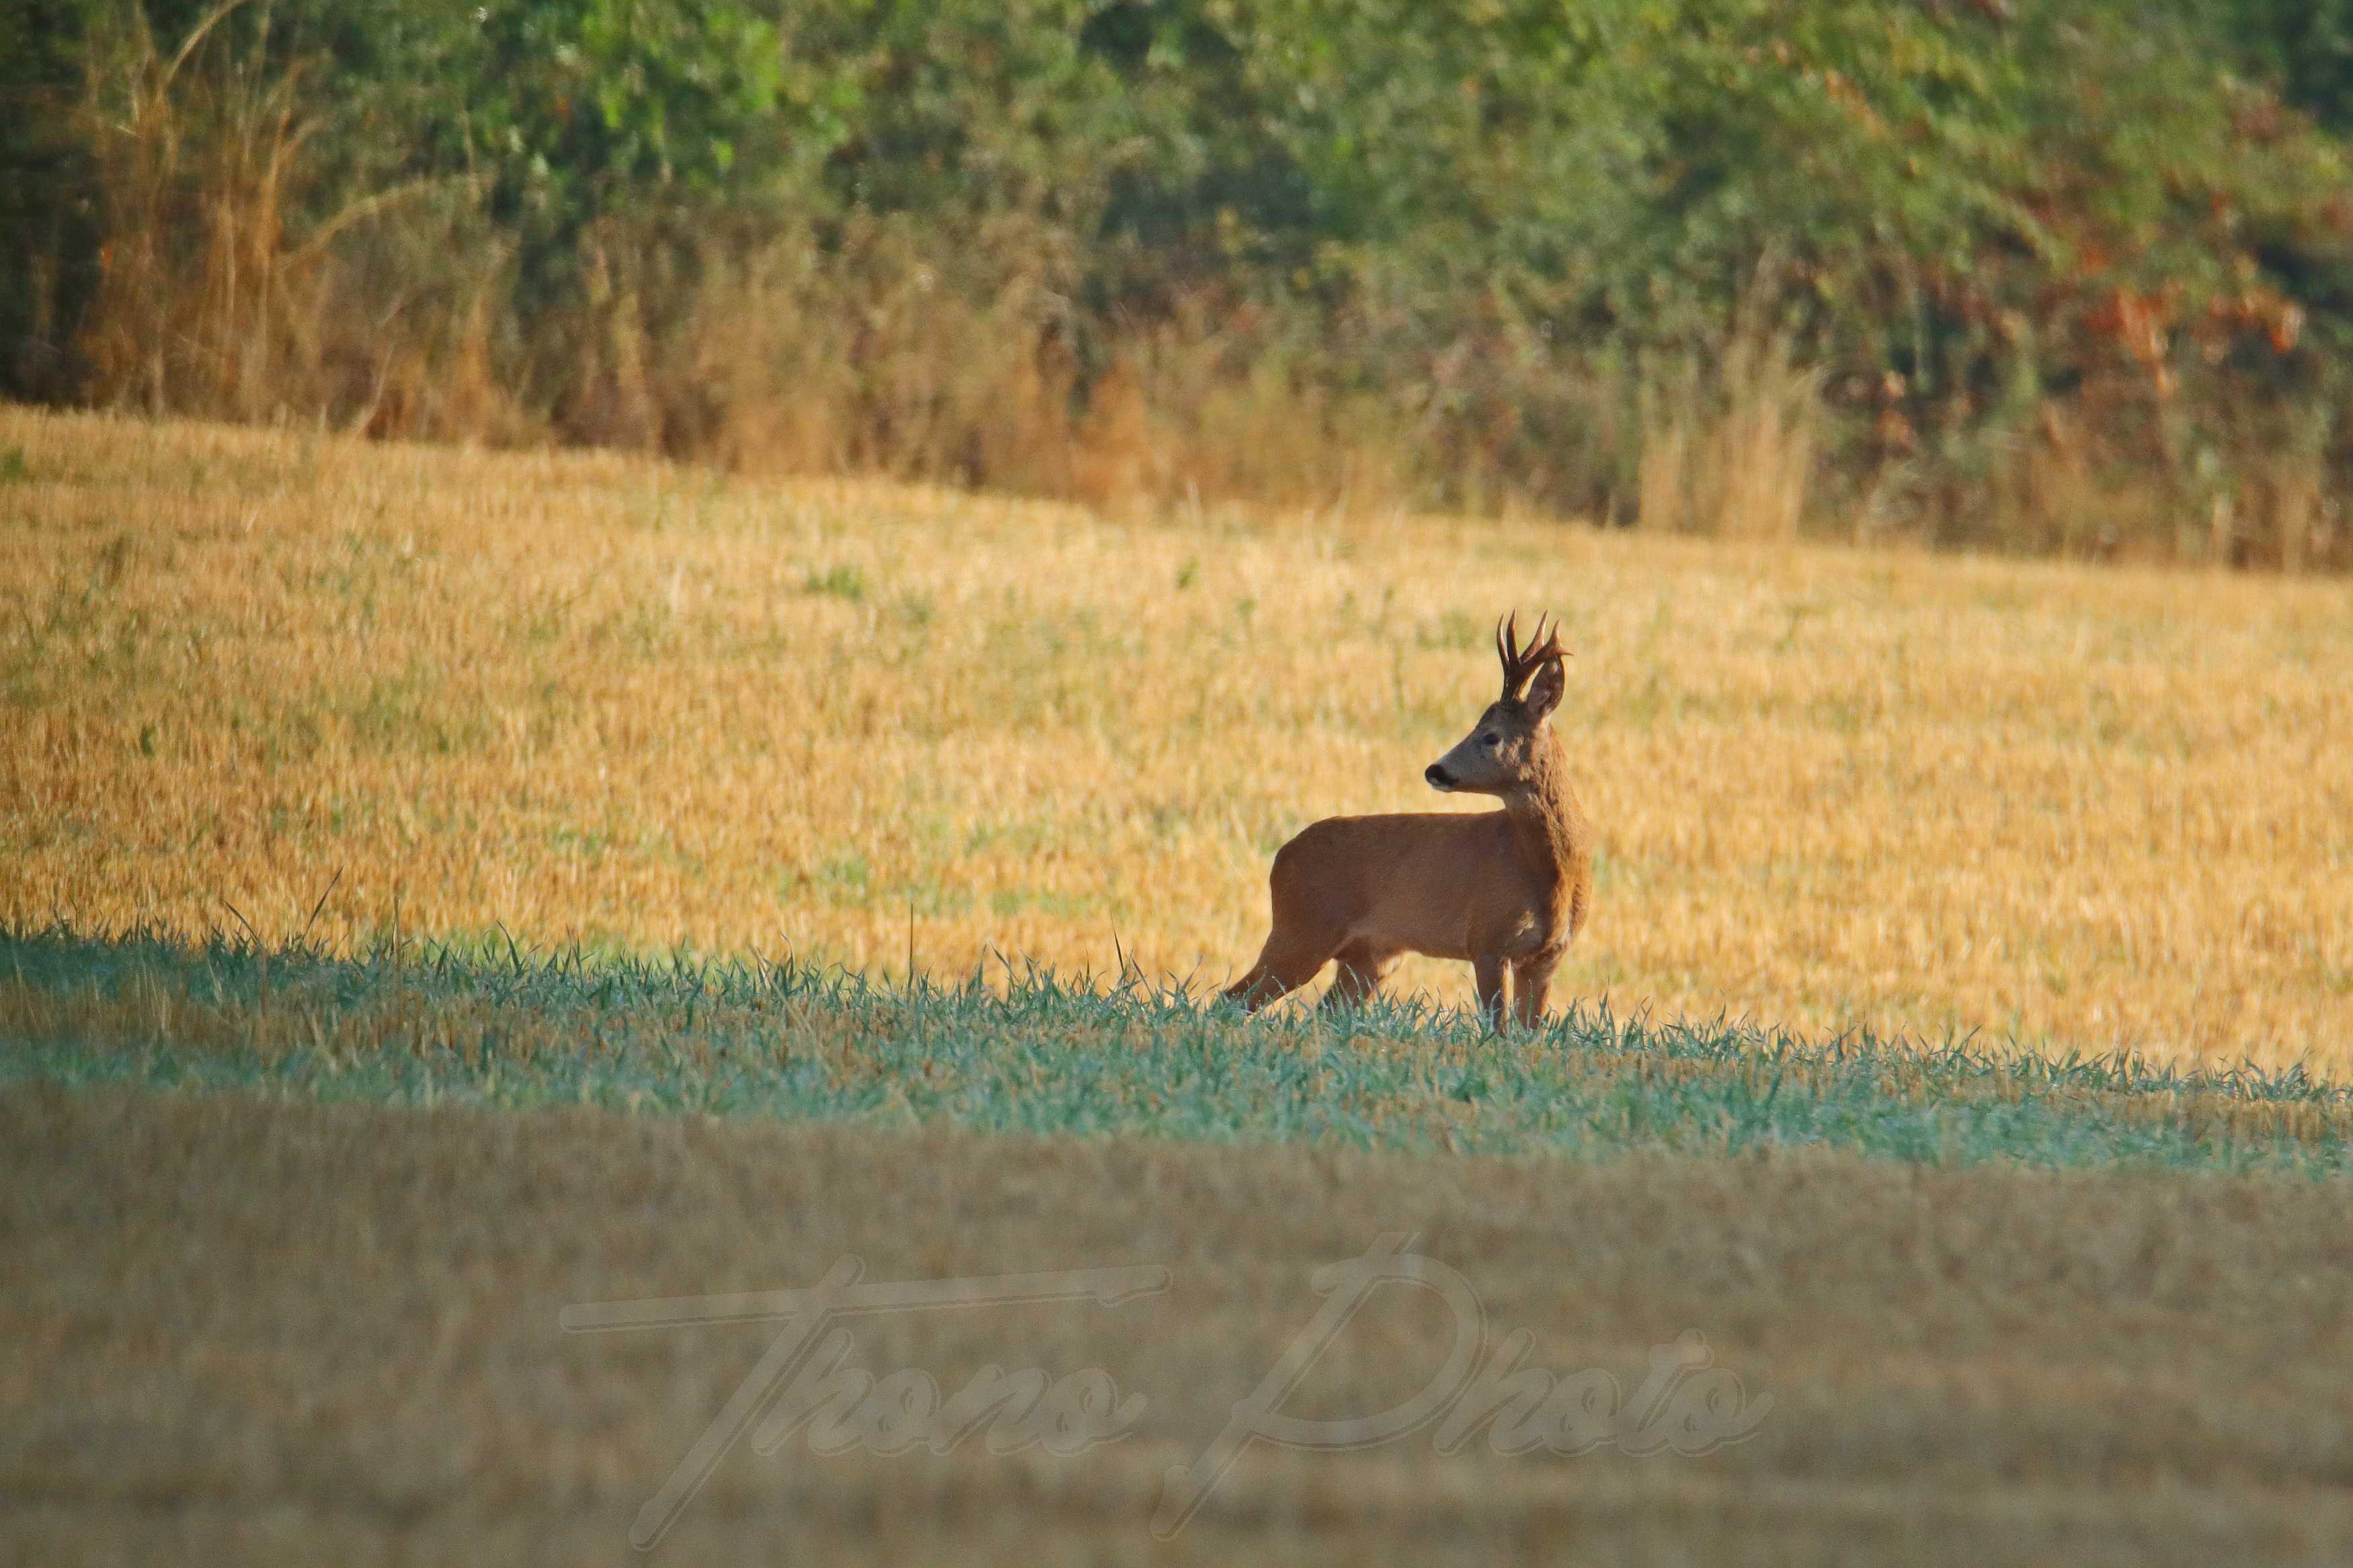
1438, 777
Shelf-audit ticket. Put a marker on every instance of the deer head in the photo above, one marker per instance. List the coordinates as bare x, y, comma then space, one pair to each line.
1501, 754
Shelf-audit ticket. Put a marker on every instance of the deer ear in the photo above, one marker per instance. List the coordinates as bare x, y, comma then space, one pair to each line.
1544, 691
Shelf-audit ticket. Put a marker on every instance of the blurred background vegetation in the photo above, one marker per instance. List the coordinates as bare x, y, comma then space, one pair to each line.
2036, 276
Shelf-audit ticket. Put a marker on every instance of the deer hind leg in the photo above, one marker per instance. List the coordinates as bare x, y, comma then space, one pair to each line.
1289, 961
1296, 949
1363, 967
1307, 929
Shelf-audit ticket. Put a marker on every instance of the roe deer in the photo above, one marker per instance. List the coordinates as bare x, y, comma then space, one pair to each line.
1498, 888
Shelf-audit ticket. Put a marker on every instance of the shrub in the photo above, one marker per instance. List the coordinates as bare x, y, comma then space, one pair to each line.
2076, 278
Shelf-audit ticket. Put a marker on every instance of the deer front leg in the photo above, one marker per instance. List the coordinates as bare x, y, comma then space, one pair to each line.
1531, 986
1487, 975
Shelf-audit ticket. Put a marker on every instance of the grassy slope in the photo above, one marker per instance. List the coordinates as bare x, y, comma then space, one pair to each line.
638, 705
2093, 1309
241, 1330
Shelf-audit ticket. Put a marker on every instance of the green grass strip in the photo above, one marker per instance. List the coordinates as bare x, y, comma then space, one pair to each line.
1026, 1052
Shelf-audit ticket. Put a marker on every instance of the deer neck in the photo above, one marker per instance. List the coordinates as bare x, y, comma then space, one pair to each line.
1546, 824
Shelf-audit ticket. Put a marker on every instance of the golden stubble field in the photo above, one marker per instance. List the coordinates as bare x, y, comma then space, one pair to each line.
591, 699
249, 1331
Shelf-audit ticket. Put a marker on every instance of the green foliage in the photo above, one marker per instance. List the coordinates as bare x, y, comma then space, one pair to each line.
1484, 213
45, 219
841, 582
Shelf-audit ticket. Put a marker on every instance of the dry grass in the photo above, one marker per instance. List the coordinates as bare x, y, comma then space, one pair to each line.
591, 698
240, 1331
1728, 444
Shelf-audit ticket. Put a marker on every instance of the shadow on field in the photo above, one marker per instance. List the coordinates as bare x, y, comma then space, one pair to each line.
1031, 1052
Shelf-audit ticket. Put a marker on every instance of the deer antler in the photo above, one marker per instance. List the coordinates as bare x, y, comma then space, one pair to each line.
1520, 663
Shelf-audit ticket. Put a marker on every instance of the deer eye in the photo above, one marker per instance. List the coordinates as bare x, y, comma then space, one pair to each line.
1489, 739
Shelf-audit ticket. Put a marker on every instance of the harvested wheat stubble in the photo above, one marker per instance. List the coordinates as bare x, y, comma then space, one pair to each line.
239, 1330
579, 696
